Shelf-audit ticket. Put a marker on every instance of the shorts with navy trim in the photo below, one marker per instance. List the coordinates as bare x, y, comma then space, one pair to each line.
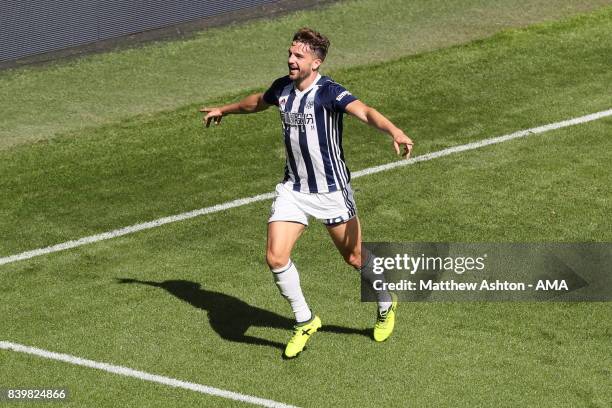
330, 208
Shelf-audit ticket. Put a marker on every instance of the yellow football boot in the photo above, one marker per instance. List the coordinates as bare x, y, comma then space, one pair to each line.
301, 335
385, 321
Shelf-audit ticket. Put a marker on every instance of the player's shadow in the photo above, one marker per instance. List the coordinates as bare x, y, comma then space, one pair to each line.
229, 316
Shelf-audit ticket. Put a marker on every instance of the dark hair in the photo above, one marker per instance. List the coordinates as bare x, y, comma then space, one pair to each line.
317, 42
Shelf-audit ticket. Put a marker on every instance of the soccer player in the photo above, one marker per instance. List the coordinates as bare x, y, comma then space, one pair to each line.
316, 181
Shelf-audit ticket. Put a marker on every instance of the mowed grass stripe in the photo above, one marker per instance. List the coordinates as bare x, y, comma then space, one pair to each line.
148, 167
39, 103
248, 200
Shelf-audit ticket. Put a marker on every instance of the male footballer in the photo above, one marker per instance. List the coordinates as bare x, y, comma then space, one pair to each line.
317, 181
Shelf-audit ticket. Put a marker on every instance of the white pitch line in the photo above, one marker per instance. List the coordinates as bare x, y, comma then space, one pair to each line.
484, 142
128, 372
261, 197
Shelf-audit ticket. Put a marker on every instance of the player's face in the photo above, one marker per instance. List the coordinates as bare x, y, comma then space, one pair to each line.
302, 61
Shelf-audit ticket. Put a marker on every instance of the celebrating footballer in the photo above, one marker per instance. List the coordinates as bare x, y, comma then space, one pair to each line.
316, 182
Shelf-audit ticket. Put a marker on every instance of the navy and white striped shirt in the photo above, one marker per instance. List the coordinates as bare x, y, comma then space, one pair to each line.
312, 129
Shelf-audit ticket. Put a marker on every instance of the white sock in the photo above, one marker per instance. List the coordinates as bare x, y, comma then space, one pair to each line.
288, 281
383, 297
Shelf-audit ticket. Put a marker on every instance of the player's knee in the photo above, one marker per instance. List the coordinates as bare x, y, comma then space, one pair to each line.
353, 259
276, 261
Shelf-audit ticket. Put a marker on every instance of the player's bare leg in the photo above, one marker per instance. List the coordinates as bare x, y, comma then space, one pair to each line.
282, 236
347, 238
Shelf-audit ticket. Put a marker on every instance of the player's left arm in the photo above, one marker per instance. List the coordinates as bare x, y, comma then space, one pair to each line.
375, 119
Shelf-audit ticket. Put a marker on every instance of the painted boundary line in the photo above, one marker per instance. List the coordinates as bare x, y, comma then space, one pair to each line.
141, 375
261, 197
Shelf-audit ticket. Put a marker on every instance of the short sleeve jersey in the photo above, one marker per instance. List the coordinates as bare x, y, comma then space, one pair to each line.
312, 131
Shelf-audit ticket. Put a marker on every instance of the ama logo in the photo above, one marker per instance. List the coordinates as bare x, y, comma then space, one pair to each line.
551, 285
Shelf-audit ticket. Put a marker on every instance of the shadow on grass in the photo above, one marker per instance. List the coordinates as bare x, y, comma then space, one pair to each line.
229, 316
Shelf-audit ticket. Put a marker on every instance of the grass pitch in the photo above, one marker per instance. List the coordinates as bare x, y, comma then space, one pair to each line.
194, 300
37, 104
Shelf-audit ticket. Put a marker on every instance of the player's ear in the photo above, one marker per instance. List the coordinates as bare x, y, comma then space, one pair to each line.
316, 64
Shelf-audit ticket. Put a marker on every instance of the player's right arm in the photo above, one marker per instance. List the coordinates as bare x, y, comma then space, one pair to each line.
250, 104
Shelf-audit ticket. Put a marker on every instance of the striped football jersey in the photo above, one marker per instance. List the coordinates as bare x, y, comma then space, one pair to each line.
312, 131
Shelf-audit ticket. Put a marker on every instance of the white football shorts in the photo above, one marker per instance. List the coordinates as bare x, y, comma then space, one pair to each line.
330, 208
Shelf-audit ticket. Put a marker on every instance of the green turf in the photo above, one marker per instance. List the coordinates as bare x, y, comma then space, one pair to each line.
206, 309
39, 103
88, 385
466, 354
145, 168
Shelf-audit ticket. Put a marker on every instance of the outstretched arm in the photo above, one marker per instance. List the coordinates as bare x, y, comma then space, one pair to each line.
250, 104
374, 118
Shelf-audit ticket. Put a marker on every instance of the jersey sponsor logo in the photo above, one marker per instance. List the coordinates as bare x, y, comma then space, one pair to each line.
297, 118
342, 95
